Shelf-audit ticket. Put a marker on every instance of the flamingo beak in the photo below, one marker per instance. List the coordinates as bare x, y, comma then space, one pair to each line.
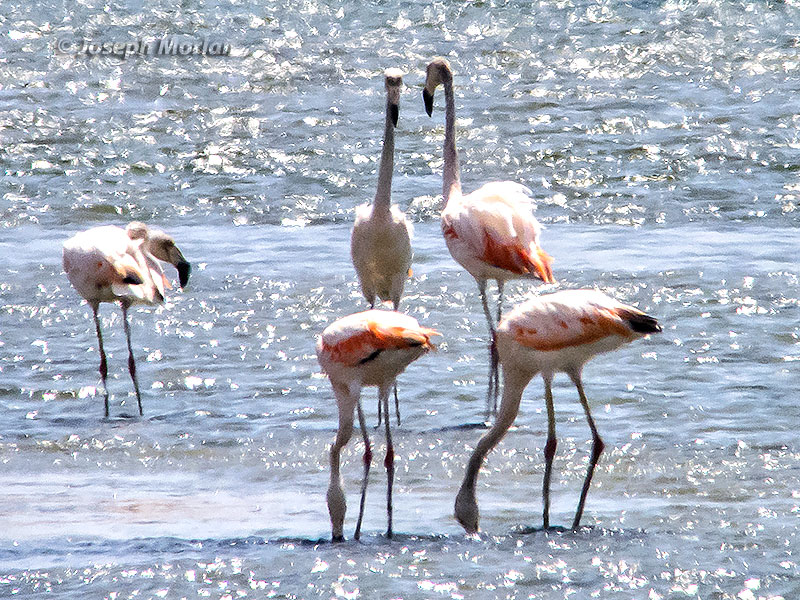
184, 269
181, 264
427, 97
541, 262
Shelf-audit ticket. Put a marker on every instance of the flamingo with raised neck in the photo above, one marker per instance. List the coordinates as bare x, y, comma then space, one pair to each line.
491, 232
380, 243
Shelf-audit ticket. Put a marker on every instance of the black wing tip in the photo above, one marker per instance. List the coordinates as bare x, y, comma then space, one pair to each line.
371, 357
642, 323
132, 279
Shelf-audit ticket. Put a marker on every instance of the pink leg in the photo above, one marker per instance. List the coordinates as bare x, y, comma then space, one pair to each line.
103, 362
597, 450
131, 360
367, 461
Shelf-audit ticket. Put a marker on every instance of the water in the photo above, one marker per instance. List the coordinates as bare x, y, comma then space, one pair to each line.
661, 142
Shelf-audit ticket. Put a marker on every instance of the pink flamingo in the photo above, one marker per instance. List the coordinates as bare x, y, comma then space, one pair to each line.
491, 232
553, 333
110, 264
369, 348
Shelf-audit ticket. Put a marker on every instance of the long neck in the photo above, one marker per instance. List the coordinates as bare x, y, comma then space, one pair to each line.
451, 180
383, 196
513, 385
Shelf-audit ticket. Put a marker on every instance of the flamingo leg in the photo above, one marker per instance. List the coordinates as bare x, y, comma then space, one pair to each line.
367, 462
396, 304
396, 407
131, 360
491, 395
466, 505
396, 404
597, 450
549, 451
496, 356
103, 362
388, 462
380, 407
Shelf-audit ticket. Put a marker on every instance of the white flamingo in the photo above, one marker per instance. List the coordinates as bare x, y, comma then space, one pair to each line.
110, 264
369, 348
553, 333
491, 232
380, 243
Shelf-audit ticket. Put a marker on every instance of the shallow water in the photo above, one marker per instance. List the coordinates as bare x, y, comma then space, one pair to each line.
660, 140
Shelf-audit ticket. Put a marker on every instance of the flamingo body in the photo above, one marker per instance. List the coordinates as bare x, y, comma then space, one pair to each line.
381, 250
553, 333
369, 348
560, 332
104, 264
493, 234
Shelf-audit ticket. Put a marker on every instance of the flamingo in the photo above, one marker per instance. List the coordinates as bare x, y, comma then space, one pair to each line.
553, 333
369, 348
109, 264
491, 232
380, 243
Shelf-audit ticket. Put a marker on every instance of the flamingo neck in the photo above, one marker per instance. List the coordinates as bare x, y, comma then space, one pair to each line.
346, 399
383, 196
451, 180
514, 383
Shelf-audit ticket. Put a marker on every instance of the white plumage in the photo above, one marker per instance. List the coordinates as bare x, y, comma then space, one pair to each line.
109, 264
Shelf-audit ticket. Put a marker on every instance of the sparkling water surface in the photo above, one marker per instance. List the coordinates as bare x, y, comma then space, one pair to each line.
660, 141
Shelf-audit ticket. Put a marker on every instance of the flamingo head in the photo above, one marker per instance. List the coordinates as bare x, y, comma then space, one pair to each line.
466, 509
393, 80
163, 247
438, 72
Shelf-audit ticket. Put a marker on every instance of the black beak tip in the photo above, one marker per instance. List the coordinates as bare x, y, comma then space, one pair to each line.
184, 269
394, 113
428, 99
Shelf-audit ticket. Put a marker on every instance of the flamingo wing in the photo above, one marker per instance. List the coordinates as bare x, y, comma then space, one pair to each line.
358, 338
574, 318
496, 224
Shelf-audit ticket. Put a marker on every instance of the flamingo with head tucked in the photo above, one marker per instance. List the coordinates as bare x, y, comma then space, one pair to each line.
111, 264
380, 244
369, 348
491, 232
553, 333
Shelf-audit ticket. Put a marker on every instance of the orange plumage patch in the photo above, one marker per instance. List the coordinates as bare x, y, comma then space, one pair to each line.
449, 232
586, 330
352, 350
507, 255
